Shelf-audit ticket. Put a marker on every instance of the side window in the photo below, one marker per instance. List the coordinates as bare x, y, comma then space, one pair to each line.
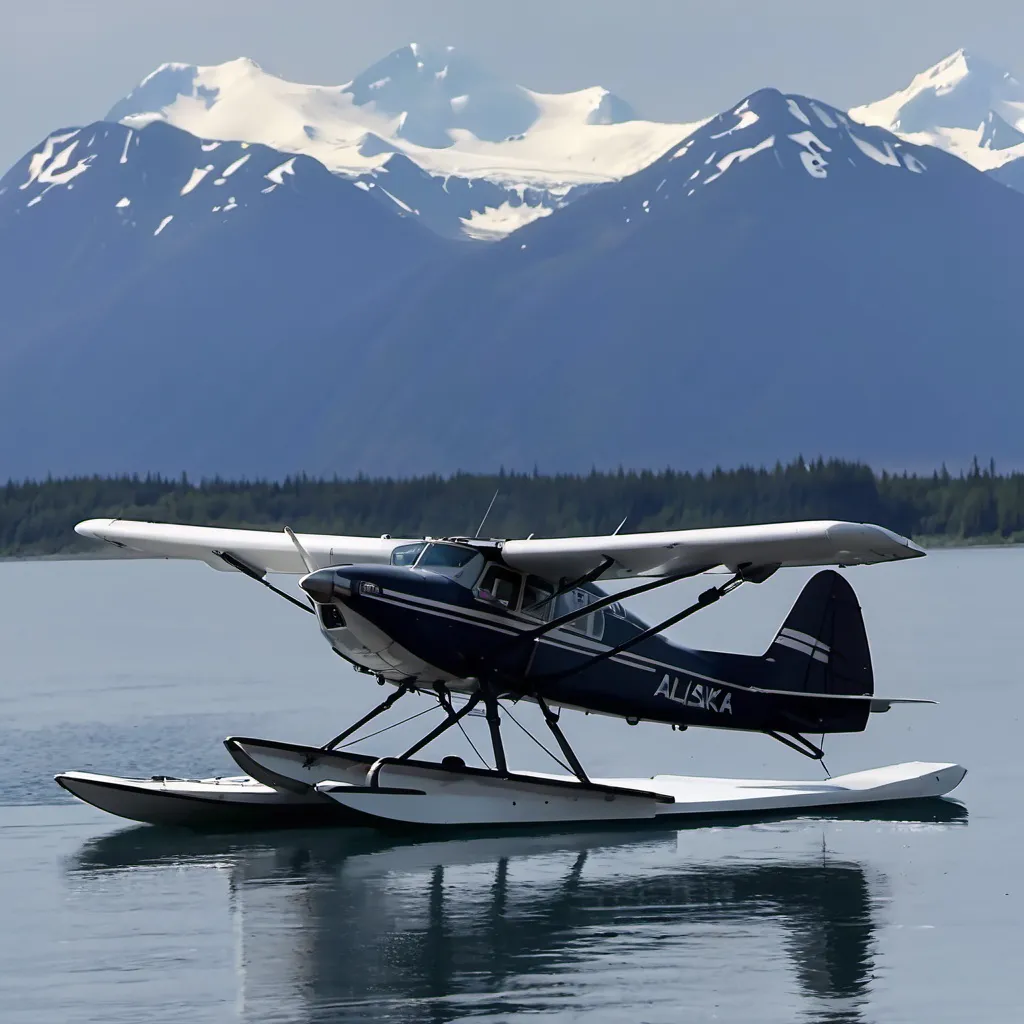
537, 598
499, 586
591, 625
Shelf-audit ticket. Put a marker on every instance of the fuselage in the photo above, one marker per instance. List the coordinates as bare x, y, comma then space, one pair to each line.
454, 614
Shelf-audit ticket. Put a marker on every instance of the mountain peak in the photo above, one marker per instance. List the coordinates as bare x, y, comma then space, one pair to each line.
771, 133
963, 62
436, 89
174, 80
956, 92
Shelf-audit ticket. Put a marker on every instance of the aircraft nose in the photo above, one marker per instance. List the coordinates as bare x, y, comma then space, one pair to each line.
319, 585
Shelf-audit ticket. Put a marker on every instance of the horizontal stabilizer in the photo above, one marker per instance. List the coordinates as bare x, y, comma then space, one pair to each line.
876, 704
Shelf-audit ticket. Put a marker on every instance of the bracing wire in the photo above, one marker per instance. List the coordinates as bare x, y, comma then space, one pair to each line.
553, 757
394, 725
480, 756
465, 735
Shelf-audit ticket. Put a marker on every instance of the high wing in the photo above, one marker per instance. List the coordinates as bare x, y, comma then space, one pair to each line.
262, 550
623, 555
827, 542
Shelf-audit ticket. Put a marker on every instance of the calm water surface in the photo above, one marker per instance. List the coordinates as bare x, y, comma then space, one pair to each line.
143, 667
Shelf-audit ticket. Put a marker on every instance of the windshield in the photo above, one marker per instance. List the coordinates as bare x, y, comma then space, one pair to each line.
407, 554
446, 556
459, 563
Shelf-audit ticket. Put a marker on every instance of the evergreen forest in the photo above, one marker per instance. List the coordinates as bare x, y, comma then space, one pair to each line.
976, 506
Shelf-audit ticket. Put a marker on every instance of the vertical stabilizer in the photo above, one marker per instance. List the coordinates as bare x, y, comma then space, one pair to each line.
822, 646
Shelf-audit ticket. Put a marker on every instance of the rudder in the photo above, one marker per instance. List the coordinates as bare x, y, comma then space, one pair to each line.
822, 647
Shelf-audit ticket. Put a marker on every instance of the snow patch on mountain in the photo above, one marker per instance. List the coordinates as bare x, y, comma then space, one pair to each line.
794, 109
738, 156
198, 173
493, 223
48, 164
276, 174
812, 153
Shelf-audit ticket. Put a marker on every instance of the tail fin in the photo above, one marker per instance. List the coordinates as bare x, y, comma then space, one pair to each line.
822, 646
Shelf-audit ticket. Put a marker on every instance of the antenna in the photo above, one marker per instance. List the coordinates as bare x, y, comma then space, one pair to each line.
486, 514
620, 526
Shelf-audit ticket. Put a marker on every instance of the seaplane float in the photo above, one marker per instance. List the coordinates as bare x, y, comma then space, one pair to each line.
477, 625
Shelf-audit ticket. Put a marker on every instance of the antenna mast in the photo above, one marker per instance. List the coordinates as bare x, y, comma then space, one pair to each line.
486, 514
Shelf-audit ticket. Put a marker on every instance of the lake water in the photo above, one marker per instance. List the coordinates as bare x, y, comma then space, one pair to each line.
143, 667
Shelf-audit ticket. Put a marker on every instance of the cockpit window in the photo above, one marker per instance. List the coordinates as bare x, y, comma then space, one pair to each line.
537, 596
445, 556
575, 601
406, 554
499, 585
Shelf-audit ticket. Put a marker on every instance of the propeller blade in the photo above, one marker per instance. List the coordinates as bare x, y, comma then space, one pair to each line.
308, 562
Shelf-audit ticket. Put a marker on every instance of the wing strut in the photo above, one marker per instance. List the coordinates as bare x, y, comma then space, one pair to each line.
588, 577
254, 574
708, 597
562, 620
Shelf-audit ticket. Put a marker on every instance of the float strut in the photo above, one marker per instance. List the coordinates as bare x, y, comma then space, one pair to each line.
494, 724
403, 689
450, 720
570, 755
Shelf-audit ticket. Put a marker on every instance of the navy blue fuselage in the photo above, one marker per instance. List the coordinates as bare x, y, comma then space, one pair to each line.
481, 621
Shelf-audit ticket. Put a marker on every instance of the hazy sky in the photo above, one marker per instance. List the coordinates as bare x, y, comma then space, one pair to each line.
65, 62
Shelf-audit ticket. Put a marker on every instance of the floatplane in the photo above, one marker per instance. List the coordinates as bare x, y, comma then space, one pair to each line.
478, 625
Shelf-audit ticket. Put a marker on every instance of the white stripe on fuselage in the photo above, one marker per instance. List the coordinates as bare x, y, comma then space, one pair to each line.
471, 615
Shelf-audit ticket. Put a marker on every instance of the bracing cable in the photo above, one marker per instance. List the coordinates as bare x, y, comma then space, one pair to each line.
394, 725
553, 757
473, 745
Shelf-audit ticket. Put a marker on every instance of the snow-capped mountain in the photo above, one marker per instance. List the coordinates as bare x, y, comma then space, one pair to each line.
784, 280
112, 198
803, 138
438, 108
160, 293
172, 176
963, 104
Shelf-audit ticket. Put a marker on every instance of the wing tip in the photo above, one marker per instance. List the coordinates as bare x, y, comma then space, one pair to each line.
93, 528
869, 542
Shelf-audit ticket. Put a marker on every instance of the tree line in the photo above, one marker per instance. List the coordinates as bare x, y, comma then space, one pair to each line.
979, 505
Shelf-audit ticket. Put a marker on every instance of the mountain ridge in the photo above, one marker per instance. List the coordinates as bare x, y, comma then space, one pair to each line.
783, 278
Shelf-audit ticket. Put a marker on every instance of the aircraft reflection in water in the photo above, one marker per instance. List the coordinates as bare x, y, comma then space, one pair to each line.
347, 926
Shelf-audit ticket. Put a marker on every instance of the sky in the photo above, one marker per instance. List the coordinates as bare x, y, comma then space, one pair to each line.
65, 62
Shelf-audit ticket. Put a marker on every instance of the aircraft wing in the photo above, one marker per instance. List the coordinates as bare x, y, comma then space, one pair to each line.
263, 550
648, 554
825, 542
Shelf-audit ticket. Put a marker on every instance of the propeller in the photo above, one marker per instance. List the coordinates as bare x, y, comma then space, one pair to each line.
308, 562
